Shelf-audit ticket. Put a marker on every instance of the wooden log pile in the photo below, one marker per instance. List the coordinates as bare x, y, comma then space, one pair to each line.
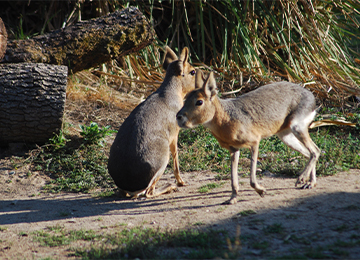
87, 43
33, 72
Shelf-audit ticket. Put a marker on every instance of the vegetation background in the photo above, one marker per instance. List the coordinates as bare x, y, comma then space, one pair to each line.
247, 43
309, 41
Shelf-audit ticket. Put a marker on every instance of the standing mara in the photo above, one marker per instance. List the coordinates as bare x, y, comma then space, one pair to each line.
283, 109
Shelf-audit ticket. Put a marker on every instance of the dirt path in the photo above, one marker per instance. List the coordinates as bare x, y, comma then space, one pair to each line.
318, 223
308, 219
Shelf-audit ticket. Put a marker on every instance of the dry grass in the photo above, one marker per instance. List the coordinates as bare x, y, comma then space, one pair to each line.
247, 43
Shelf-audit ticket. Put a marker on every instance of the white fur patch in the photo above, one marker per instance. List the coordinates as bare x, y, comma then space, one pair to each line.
310, 118
305, 121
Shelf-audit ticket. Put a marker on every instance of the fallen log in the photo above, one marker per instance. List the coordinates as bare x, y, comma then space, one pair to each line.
32, 101
86, 44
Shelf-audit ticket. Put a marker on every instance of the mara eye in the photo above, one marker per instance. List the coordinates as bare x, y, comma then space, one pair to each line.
199, 103
192, 73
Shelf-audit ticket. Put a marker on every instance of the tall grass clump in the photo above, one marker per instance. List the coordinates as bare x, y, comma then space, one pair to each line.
304, 41
311, 41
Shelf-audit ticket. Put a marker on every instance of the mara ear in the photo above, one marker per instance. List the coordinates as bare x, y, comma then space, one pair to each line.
199, 79
170, 56
210, 88
184, 56
183, 59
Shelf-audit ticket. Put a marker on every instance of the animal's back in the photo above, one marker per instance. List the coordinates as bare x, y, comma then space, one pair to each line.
276, 102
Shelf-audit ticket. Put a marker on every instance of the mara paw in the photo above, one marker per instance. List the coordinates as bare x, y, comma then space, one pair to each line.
308, 185
229, 202
261, 192
232, 200
181, 183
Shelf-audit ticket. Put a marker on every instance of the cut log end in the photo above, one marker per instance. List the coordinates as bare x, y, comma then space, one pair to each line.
32, 101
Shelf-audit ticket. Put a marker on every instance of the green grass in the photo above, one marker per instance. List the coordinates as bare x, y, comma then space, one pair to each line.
210, 186
20, 34
200, 151
263, 245
292, 256
93, 134
246, 213
276, 228
145, 243
78, 170
78, 165
261, 38
193, 243
137, 242
57, 236
316, 253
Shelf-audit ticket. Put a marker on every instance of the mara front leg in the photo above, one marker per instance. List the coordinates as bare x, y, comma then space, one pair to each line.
234, 177
174, 153
253, 182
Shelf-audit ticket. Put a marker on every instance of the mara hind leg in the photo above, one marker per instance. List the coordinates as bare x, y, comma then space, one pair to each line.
309, 171
293, 142
299, 129
151, 190
175, 156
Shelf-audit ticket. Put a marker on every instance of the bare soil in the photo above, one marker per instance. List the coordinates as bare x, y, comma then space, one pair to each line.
313, 220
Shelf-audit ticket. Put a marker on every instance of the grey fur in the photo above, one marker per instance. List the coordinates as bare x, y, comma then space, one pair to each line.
140, 152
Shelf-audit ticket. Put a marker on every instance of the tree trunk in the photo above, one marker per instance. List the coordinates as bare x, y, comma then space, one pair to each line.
86, 44
32, 100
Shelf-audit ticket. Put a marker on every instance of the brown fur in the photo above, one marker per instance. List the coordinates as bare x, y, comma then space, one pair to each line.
140, 152
283, 109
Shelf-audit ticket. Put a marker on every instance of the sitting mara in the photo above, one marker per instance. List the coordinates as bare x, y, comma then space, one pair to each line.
140, 152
